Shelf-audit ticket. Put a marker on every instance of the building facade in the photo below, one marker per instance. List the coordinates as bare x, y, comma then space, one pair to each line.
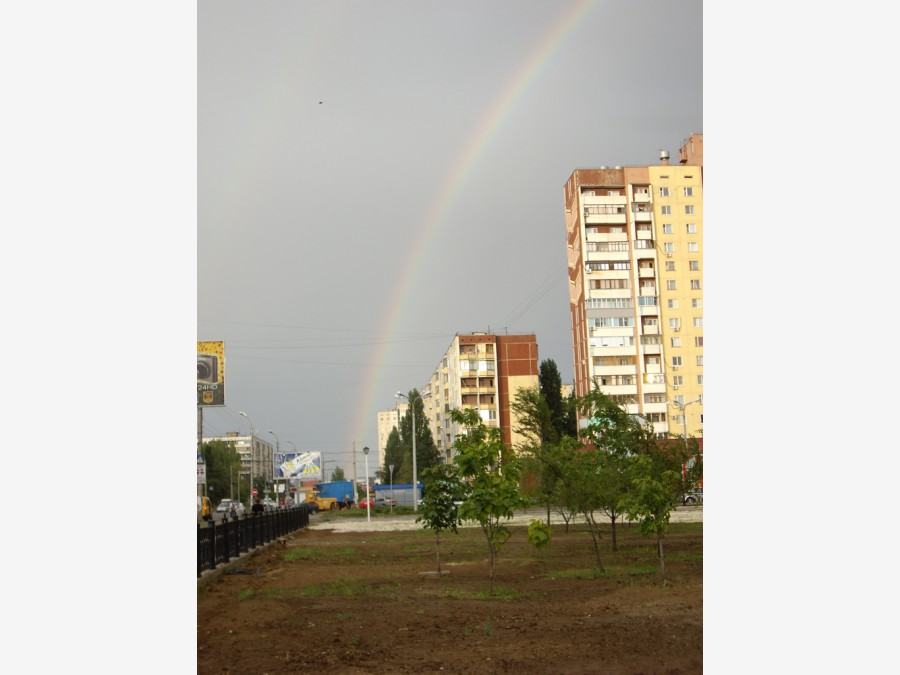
634, 240
387, 420
481, 371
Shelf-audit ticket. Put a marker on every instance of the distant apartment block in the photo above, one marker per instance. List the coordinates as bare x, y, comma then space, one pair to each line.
481, 371
634, 239
387, 420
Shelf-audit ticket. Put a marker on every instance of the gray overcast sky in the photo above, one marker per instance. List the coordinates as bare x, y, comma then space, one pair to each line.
374, 178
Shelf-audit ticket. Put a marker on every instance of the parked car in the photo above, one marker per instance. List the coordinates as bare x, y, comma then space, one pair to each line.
269, 504
366, 503
385, 502
224, 508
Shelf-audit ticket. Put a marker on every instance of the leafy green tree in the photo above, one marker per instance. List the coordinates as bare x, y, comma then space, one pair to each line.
650, 503
493, 491
338, 473
550, 383
686, 460
442, 488
534, 419
427, 454
393, 454
617, 435
223, 467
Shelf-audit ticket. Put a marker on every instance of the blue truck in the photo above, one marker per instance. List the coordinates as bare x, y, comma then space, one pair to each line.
340, 490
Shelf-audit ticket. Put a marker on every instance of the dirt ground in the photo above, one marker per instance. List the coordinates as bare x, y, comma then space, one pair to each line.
351, 596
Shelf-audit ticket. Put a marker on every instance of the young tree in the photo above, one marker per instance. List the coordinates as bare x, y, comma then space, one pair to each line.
338, 473
493, 491
650, 503
616, 435
438, 509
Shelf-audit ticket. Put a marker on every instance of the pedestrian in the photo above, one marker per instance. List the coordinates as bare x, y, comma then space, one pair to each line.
233, 511
346, 501
258, 507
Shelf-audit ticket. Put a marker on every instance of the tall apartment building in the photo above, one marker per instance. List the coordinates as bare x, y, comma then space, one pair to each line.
387, 420
481, 371
634, 237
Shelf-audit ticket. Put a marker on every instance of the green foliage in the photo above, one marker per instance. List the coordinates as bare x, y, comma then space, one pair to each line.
438, 511
427, 454
223, 465
492, 479
650, 502
539, 534
394, 454
534, 419
338, 474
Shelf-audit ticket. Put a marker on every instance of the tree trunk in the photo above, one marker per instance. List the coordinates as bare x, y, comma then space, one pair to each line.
437, 549
595, 537
613, 518
662, 558
548, 513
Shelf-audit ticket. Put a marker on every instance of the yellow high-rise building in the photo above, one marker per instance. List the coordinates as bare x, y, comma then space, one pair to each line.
634, 238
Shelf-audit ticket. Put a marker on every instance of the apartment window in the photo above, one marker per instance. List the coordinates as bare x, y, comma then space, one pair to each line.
694, 266
688, 192
698, 322
673, 304
698, 341
676, 419
680, 401
691, 228
676, 361
675, 323
676, 341
695, 284
700, 379
700, 360
670, 265
693, 247
663, 192
689, 209
670, 285
666, 210
668, 248
667, 228
678, 380
697, 303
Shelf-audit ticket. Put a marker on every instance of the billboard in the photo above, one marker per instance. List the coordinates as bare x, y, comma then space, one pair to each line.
302, 466
210, 373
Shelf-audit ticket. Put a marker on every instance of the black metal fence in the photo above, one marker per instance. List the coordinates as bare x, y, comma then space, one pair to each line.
217, 543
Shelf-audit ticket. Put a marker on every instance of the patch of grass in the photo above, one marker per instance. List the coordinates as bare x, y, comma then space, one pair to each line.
355, 640
316, 554
246, 594
501, 593
684, 556
589, 573
488, 627
636, 570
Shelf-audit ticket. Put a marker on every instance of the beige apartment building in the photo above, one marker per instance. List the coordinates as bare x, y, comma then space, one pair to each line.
262, 458
481, 371
387, 420
634, 238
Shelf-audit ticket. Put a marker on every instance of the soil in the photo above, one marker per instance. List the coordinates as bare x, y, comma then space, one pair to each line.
351, 596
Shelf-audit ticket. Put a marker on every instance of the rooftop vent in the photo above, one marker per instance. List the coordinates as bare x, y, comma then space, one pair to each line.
664, 157
618, 166
604, 166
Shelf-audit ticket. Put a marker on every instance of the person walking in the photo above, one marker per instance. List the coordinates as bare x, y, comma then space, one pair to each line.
258, 507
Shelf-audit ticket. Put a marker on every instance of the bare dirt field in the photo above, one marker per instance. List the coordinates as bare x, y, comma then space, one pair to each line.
351, 596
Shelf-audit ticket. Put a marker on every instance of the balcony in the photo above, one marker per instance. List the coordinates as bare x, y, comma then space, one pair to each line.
641, 197
643, 216
648, 291
650, 329
647, 271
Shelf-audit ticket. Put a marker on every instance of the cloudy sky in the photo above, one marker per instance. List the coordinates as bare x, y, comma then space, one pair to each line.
374, 178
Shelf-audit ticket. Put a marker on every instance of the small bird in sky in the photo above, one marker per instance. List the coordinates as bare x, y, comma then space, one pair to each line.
320, 102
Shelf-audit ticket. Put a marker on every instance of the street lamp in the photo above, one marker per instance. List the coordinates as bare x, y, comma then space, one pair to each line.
412, 409
278, 452
243, 414
368, 499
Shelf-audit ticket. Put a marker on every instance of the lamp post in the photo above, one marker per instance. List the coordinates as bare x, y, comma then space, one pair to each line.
243, 414
287, 479
277, 452
368, 499
391, 469
412, 409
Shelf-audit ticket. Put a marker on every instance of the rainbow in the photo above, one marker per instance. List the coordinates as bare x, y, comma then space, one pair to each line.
461, 169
